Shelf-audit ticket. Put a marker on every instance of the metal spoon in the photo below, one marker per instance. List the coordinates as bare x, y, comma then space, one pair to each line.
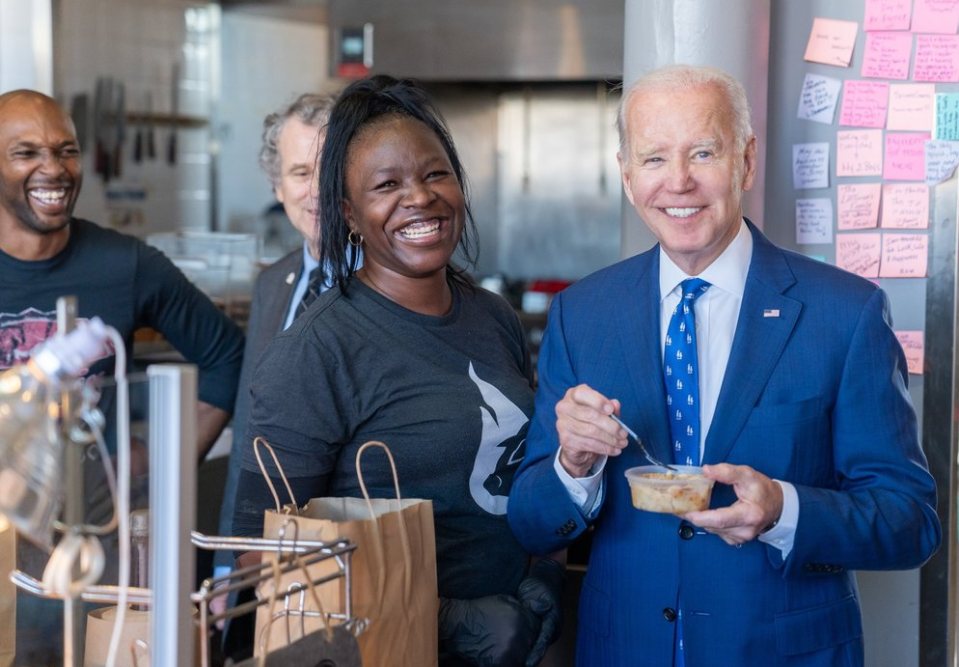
649, 457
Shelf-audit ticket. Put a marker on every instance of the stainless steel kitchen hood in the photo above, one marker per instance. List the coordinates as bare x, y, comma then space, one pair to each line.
488, 40
309, 11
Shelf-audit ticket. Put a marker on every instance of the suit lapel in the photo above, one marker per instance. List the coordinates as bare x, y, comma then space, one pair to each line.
766, 322
644, 364
282, 291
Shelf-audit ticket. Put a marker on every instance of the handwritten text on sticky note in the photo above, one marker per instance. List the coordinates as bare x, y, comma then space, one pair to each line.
905, 156
817, 100
905, 206
811, 165
947, 117
857, 205
914, 348
937, 58
887, 15
859, 253
911, 107
936, 16
942, 158
813, 221
831, 42
859, 153
864, 103
904, 256
886, 55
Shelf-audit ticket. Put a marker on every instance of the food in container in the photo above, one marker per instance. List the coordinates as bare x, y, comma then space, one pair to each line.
658, 489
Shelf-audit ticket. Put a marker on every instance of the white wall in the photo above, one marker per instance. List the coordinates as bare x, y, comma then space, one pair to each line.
267, 62
139, 44
26, 45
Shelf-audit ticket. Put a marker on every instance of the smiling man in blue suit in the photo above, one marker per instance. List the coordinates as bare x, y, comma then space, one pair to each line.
780, 374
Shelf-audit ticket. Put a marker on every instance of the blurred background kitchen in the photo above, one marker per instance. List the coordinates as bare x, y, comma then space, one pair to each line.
169, 98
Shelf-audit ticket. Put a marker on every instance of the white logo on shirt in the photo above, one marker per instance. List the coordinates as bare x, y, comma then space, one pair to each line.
504, 431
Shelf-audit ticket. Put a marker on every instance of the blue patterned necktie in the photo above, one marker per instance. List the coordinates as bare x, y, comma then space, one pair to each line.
313, 288
681, 374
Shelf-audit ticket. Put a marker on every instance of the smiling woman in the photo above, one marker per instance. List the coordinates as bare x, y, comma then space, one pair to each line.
406, 350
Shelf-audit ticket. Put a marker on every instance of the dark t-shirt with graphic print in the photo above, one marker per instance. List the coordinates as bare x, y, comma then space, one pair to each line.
451, 396
129, 285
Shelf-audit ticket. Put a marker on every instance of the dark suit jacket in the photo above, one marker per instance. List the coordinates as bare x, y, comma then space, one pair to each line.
271, 301
814, 395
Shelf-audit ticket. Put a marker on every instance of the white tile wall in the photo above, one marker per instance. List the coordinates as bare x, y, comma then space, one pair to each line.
138, 42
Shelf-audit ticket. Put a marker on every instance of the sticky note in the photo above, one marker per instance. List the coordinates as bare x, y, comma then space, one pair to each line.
905, 157
913, 346
942, 157
904, 256
937, 58
886, 55
818, 98
912, 106
946, 124
859, 253
831, 42
859, 153
905, 206
811, 165
864, 103
887, 15
936, 16
813, 221
857, 205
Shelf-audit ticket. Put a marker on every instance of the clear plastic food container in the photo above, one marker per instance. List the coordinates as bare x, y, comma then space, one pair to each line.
658, 489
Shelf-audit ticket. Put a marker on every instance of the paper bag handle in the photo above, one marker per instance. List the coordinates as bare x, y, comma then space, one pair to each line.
269, 482
404, 537
311, 587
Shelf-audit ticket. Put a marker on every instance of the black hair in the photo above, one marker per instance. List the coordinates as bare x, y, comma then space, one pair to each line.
361, 104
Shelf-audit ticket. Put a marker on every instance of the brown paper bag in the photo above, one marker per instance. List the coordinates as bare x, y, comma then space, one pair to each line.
8, 597
393, 571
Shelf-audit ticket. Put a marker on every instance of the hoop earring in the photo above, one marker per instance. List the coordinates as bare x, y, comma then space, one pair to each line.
352, 238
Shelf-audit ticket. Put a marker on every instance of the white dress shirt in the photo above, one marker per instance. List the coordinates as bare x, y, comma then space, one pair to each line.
717, 312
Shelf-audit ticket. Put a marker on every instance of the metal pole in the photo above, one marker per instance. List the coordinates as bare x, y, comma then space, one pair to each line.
73, 616
173, 463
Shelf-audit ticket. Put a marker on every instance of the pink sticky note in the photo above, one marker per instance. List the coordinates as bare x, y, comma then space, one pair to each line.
886, 55
912, 106
831, 42
859, 153
913, 345
857, 205
936, 16
859, 253
887, 15
905, 206
864, 103
905, 156
937, 58
904, 256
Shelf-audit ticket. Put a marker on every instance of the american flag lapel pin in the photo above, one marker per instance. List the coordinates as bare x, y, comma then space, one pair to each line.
771, 312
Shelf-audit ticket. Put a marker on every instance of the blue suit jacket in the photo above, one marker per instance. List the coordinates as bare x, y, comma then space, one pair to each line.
816, 396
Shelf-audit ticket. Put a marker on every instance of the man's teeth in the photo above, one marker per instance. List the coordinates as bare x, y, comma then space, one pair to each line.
418, 229
49, 196
682, 212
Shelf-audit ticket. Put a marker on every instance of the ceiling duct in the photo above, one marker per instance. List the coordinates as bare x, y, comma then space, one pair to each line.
310, 11
490, 40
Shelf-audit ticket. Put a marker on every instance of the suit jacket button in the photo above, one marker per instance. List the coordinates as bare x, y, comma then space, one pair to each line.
686, 531
669, 614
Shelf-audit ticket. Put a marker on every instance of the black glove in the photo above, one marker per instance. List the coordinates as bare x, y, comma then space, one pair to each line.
542, 593
494, 631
